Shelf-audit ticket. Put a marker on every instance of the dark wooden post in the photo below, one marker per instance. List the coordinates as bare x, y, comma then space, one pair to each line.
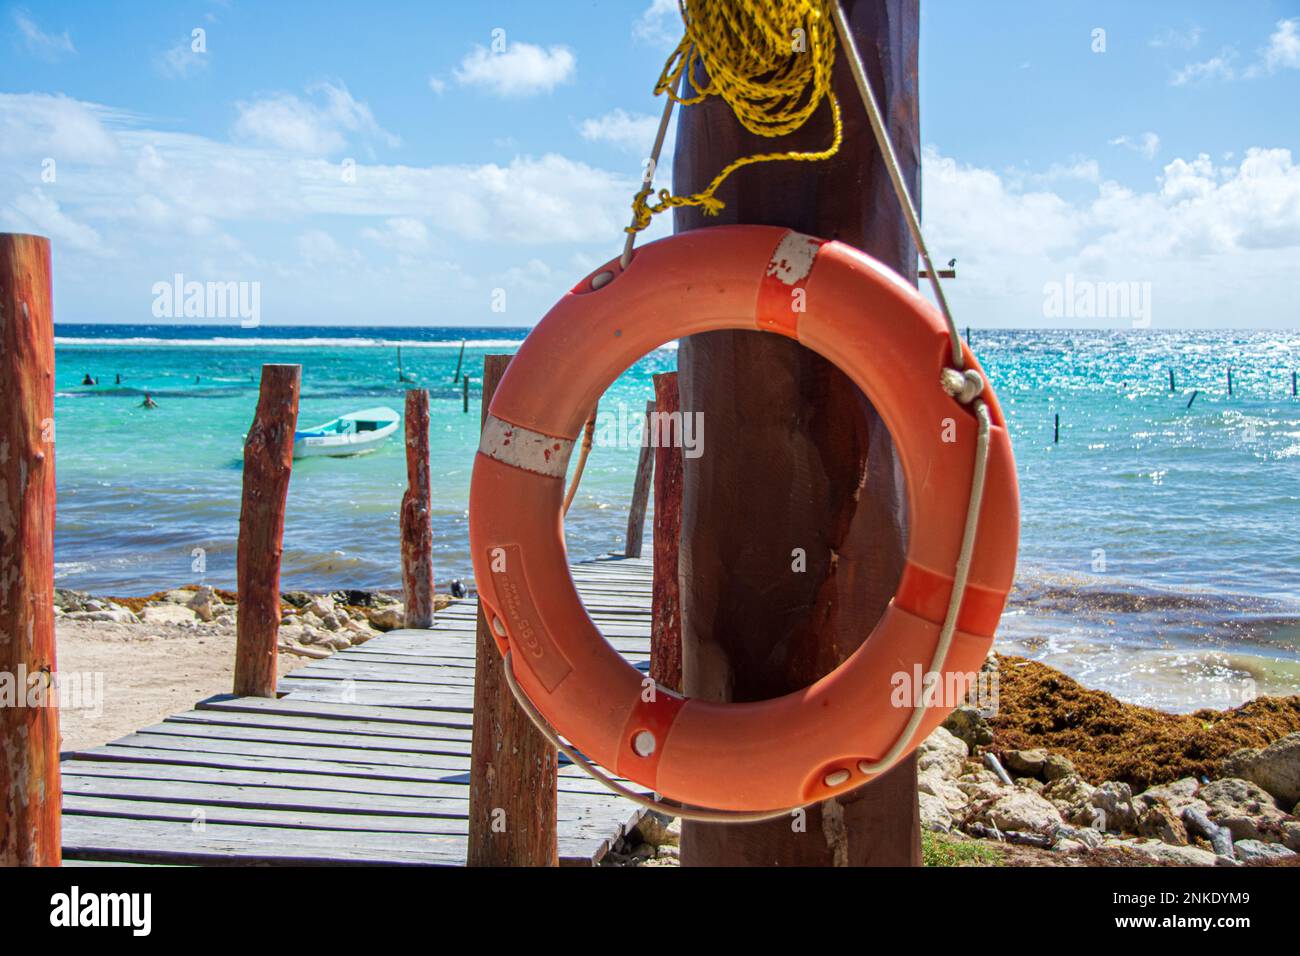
512, 798
417, 532
459, 359
30, 789
645, 465
268, 462
792, 522
666, 618
464, 394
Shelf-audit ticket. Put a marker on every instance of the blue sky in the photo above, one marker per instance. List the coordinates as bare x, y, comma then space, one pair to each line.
389, 163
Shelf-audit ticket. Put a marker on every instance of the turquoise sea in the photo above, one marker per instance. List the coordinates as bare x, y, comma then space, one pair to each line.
1160, 551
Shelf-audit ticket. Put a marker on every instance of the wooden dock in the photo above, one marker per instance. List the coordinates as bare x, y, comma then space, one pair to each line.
363, 760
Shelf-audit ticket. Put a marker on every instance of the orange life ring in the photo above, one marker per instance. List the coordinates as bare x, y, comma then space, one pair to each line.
807, 745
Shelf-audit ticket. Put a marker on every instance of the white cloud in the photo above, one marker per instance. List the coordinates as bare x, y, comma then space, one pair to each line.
36, 212
1148, 144
438, 86
318, 248
522, 69
46, 46
660, 24
1216, 68
40, 125
632, 132
1186, 39
1283, 50
182, 60
1206, 235
285, 121
400, 234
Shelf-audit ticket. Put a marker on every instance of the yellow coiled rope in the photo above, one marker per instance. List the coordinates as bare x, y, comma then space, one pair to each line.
769, 61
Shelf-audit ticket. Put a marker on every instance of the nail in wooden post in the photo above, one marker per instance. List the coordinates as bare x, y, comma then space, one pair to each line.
268, 462
666, 609
641, 490
512, 784
30, 789
417, 532
464, 395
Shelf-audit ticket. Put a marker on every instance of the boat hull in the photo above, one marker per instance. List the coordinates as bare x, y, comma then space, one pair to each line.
342, 446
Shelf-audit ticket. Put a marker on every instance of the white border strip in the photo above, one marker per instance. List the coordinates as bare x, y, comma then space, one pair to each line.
529, 450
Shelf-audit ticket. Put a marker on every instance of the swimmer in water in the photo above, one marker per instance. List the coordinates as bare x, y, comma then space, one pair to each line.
148, 401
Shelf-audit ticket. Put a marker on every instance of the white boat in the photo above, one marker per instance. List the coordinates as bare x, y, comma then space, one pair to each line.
352, 434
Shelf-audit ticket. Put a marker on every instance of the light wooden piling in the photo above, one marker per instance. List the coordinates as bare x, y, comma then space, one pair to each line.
666, 611
268, 463
512, 785
641, 489
417, 532
30, 787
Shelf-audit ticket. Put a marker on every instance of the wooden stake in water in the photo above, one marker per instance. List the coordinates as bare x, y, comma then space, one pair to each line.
459, 359
1230, 383
1056, 437
1293, 394
464, 394
1193, 398
1171, 380
30, 795
641, 489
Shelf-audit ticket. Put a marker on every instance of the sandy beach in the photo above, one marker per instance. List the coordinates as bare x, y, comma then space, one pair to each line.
147, 658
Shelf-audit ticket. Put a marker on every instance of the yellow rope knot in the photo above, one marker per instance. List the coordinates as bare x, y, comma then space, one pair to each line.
769, 61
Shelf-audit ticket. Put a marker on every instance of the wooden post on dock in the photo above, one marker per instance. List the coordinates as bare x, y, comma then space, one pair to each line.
30, 787
792, 540
645, 465
417, 532
512, 782
268, 463
666, 611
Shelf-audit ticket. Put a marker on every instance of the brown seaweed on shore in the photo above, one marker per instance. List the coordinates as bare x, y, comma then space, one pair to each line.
1106, 739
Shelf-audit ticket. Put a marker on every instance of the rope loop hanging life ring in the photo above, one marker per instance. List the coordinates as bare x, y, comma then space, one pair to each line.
963, 519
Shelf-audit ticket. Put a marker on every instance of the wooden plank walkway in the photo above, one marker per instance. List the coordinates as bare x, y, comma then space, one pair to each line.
365, 760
